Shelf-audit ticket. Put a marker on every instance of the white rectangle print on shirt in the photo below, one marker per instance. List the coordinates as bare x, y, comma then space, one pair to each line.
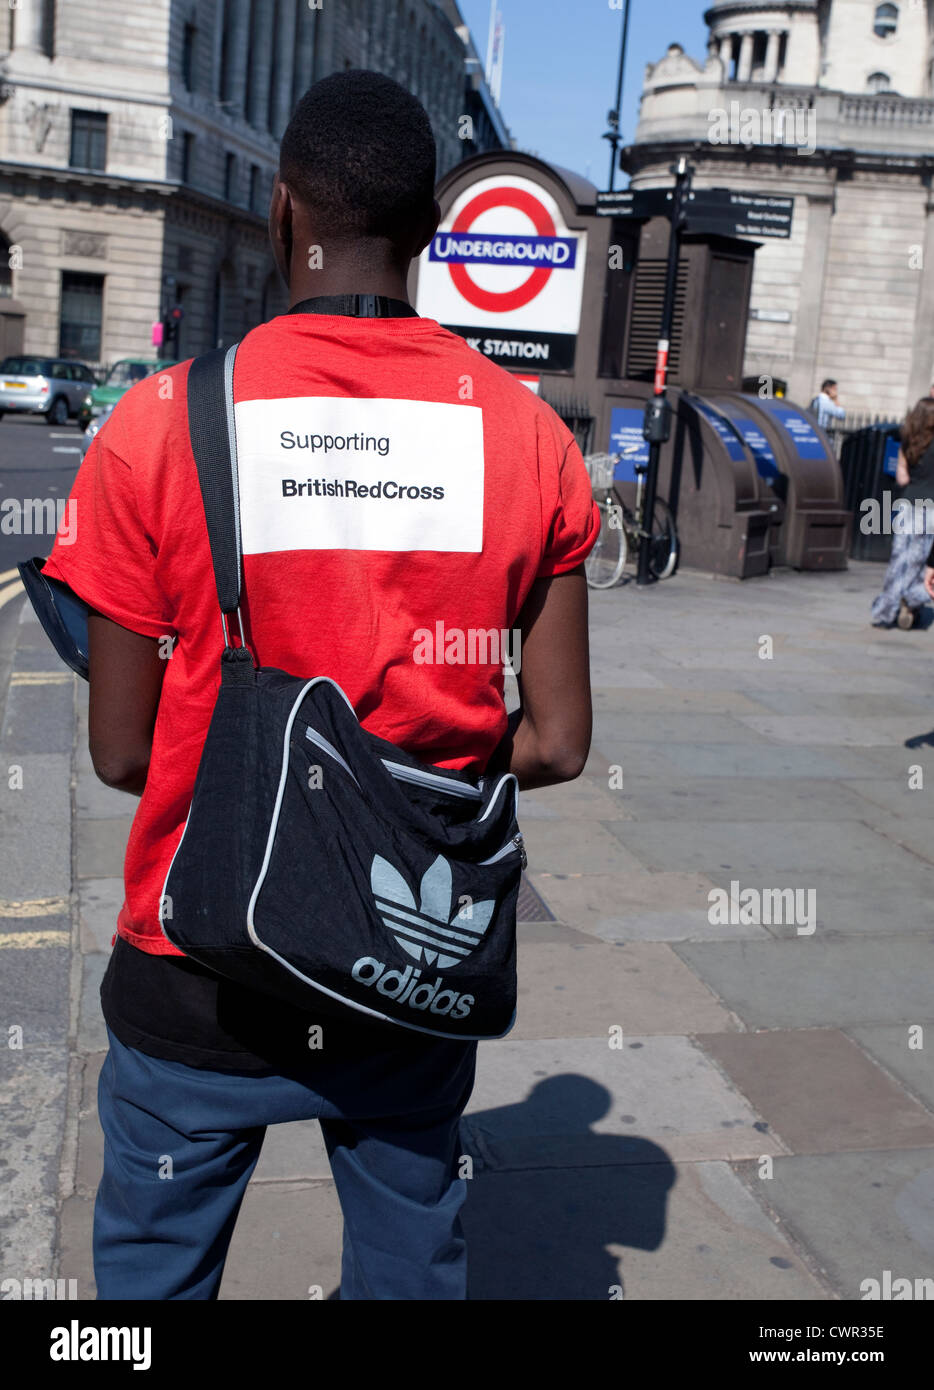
337, 473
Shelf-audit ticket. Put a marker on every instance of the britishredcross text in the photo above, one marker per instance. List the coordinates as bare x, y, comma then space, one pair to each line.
348, 487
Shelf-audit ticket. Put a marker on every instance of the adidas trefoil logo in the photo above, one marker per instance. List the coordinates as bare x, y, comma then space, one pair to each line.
426, 931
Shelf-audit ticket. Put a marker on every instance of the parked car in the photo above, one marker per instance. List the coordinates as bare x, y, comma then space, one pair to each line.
94, 427
122, 375
51, 386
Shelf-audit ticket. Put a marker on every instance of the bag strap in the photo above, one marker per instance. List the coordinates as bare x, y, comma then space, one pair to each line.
212, 428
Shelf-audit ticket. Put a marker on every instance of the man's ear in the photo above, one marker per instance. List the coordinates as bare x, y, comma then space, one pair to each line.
280, 227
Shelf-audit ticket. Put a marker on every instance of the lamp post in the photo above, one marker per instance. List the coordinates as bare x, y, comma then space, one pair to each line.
613, 116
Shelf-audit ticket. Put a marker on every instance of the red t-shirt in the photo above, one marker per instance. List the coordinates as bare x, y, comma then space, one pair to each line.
399, 494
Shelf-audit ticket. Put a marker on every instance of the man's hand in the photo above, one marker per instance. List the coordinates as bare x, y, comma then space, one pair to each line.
929, 580
125, 677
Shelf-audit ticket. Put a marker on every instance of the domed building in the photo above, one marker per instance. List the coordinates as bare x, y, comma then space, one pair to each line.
831, 102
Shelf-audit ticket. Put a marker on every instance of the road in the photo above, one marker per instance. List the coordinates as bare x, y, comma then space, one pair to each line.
36, 462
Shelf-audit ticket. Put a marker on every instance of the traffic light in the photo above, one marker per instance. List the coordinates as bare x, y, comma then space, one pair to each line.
172, 323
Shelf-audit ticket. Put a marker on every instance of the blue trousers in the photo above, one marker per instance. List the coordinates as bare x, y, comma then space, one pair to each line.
181, 1143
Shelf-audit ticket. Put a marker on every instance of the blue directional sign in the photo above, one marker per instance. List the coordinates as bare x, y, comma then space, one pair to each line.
626, 439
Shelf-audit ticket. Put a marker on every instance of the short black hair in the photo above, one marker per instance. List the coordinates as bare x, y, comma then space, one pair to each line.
829, 382
360, 152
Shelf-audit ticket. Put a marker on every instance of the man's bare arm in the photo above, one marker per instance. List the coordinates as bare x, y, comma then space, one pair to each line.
549, 741
125, 676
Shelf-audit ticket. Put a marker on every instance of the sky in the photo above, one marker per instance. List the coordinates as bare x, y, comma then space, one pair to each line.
560, 67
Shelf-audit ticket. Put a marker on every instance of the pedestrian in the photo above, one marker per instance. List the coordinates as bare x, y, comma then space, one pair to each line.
199, 1066
903, 590
826, 405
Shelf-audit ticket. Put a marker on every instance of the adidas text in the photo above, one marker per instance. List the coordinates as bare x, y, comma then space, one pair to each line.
404, 987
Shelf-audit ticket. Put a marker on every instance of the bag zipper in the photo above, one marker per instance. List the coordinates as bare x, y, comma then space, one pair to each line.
421, 778
511, 847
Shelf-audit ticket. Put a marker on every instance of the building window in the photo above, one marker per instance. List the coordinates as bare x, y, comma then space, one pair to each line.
886, 21
230, 174
88, 140
79, 332
188, 57
188, 151
254, 187
879, 82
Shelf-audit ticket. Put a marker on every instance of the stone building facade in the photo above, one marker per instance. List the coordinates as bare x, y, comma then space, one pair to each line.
138, 145
831, 101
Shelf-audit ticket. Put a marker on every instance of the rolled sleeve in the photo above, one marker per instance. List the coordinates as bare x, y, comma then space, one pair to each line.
104, 551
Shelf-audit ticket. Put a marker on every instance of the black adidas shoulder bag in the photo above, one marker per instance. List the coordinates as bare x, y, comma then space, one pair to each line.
320, 863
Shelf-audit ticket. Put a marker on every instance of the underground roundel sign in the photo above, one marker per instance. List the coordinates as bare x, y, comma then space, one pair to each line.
506, 273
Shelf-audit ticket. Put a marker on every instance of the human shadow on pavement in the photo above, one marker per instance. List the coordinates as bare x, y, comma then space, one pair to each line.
548, 1195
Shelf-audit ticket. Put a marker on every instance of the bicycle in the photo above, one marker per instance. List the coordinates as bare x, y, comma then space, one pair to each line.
621, 529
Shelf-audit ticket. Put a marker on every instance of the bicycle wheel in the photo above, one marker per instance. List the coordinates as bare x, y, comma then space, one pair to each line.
606, 562
663, 550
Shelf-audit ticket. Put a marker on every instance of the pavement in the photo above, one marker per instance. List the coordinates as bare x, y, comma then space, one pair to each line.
696, 1102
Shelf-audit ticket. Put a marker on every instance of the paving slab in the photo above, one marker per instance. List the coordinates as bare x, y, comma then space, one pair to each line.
790, 680
896, 1048
819, 1091
859, 1214
96, 801
646, 1231
813, 983
848, 904
915, 834
293, 1152
749, 799
693, 726
89, 1159
640, 906
834, 730
75, 1234
92, 1031
626, 701
763, 847
99, 903
847, 704
587, 798
574, 846
895, 794
286, 1244
763, 760
579, 991
101, 846
581, 1103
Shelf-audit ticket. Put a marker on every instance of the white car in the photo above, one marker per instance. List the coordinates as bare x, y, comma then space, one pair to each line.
95, 425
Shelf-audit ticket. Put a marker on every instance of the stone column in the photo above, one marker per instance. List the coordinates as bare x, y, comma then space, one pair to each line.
285, 58
744, 70
238, 53
922, 352
801, 385
725, 53
27, 25
303, 75
260, 64
771, 56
